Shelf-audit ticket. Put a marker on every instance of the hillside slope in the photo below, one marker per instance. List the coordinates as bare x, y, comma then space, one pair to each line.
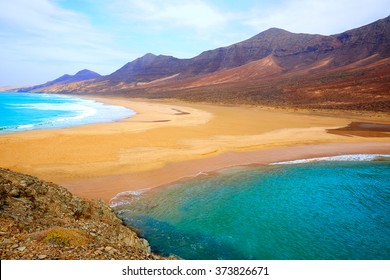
41, 220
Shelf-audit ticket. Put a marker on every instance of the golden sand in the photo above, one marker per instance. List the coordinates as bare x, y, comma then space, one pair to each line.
169, 140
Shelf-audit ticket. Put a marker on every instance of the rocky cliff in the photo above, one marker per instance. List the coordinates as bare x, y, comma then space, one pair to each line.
41, 220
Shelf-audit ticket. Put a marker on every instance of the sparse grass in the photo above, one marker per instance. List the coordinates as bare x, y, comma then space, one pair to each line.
64, 236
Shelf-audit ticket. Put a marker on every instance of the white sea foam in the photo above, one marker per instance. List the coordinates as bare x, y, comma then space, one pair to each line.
66, 112
25, 126
48, 106
82, 111
125, 198
355, 157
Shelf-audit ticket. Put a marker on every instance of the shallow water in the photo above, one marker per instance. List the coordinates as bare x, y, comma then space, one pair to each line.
29, 111
315, 210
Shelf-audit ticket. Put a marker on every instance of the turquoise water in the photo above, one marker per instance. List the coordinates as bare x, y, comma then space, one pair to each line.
28, 111
316, 210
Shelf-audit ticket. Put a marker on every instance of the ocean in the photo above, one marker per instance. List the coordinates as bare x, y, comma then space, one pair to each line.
30, 111
322, 209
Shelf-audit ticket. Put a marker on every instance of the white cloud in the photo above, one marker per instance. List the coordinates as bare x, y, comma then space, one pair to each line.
313, 16
39, 31
195, 14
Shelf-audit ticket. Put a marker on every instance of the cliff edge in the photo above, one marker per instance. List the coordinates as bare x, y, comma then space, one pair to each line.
41, 220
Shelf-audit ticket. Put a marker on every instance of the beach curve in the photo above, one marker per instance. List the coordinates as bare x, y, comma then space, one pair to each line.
170, 140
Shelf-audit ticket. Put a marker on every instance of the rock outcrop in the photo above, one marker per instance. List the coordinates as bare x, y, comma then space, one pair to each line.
41, 220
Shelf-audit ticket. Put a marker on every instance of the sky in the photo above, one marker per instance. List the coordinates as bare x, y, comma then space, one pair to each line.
41, 40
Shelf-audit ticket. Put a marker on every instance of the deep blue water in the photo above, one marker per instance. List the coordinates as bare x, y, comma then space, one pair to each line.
28, 111
316, 210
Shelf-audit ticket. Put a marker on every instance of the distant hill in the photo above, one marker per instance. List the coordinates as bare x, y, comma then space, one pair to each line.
82, 75
275, 67
6, 88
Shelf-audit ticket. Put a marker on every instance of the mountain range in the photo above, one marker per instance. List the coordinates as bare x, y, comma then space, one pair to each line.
350, 70
82, 75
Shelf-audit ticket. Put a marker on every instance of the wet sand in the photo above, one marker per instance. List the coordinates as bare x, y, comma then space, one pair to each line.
108, 187
363, 129
170, 140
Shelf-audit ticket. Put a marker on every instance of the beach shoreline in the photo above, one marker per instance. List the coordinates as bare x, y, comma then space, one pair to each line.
142, 181
167, 141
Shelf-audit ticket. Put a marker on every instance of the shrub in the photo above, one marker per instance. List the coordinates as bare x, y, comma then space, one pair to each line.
65, 237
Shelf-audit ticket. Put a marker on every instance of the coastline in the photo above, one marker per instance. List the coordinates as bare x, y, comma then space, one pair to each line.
43, 111
170, 140
140, 181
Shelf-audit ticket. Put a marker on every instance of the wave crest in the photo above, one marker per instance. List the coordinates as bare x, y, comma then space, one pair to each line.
354, 157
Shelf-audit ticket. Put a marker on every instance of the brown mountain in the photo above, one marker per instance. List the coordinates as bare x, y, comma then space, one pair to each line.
82, 75
275, 67
290, 51
147, 68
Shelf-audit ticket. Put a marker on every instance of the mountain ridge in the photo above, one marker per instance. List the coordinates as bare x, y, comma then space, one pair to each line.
271, 61
81, 75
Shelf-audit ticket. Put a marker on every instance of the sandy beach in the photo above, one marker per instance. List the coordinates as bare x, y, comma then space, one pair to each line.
170, 140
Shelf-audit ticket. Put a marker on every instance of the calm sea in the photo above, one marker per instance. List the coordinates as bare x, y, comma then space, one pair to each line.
337, 208
28, 111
